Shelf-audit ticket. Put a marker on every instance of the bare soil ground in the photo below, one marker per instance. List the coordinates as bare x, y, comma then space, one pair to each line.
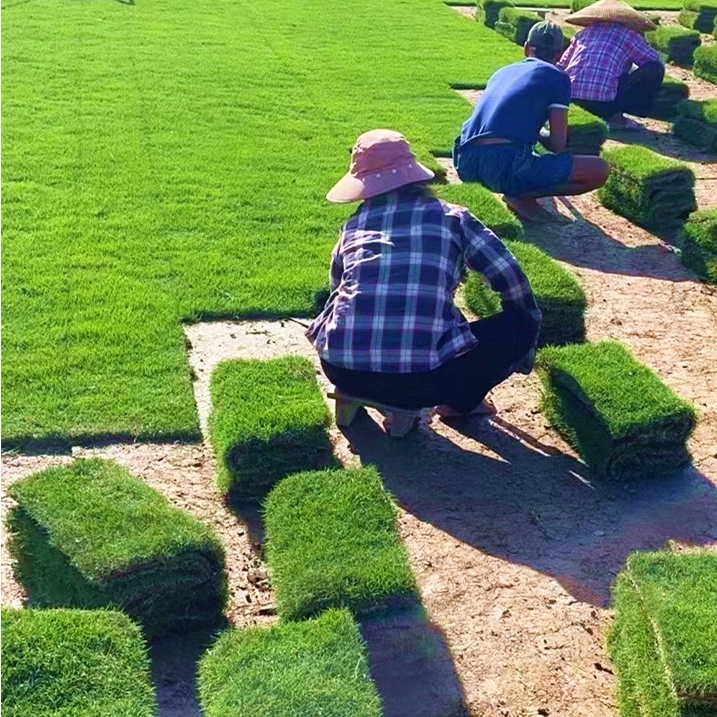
513, 542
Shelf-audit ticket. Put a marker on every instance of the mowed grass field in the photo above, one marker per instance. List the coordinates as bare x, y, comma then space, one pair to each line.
168, 161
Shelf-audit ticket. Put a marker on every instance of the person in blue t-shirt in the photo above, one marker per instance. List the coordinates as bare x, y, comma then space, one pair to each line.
496, 145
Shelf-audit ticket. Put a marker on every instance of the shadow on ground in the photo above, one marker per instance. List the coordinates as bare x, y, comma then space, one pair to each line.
533, 505
665, 143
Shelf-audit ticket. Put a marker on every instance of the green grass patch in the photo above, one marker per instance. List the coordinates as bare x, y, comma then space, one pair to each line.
699, 244
696, 123
487, 11
268, 419
647, 188
92, 535
74, 663
706, 63
557, 293
313, 667
515, 24
663, 640
678, 44
614, 411
586, 132
332, 541
670, 94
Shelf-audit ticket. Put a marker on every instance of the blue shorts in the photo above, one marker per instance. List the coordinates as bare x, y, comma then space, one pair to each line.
513, 168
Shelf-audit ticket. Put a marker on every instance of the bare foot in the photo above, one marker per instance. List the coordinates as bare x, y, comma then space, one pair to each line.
528, 209
485, 408
620, 122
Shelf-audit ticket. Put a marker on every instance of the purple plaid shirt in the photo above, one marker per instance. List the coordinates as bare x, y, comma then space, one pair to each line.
597, 57
394, 272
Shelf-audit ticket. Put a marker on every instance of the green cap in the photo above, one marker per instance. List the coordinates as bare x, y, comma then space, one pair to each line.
547, 39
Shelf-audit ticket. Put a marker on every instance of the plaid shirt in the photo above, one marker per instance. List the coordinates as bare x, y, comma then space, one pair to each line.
598, 55
394, 272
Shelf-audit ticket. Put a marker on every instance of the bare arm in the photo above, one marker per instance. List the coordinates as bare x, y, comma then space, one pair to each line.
557, 137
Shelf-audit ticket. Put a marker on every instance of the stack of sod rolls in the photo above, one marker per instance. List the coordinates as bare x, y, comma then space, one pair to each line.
664, 639
268, 419
706, 63
557, 292
488, 11
623, 421
332, 541
313, 667
76, 663
654, 192
670, 94
696, 123
699, 244
515, 24
699, 15
586, 132
677, 44
92, 535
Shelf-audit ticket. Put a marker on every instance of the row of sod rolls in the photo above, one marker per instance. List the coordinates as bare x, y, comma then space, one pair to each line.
91, 535
699, 244
677, 44
696, 123
706, 63
699, 15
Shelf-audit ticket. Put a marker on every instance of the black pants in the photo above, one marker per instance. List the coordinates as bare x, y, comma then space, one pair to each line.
461, 383
636, 93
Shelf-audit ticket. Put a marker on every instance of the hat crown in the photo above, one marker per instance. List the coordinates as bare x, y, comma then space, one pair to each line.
380, 150
611, 11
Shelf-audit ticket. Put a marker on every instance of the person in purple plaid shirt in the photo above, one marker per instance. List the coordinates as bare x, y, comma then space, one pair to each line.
612, 68
390, 331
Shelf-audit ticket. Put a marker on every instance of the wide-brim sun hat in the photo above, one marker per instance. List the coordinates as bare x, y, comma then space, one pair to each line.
611, 11
381, 160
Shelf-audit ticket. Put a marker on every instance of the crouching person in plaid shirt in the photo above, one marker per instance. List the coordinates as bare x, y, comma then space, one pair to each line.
390, 331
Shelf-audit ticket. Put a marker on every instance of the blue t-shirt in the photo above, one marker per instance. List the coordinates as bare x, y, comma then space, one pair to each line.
516, 102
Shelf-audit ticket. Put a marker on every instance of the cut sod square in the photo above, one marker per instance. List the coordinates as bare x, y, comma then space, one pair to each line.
268, 419
515, 24
699, 244
663, 642
617, 414
586, 132
92, 535
313, 667
652, 191
74, 663
706, 63
557, 292
332, 541
677, 43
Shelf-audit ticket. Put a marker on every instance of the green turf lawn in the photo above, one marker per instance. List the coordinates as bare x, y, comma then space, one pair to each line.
168, 161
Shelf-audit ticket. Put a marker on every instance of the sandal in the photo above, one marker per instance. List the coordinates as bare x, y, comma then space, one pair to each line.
485, 408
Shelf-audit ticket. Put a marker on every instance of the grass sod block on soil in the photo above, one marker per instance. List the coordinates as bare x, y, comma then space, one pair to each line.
557, 292
268, 419
332, 541
311, 667
670, 94
696, 123
615, 412
704, 12
699, 244
92, 535
515, 24
663, 639
488, 10
586, 132
74, 663
706, 63
653, 191
678, 44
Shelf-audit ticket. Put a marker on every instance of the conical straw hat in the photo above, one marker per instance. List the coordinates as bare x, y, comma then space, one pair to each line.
611, 11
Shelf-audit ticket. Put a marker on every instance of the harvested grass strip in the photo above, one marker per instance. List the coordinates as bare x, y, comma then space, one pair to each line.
515, 24
488, 11
705, 14
663, 640
557, 292
706, 63
699, 244
268, 419
313, 667
677, 43
623, 421
652, 191
586, 132
696, 123
332, 541
92, 535
74, 663
670, 94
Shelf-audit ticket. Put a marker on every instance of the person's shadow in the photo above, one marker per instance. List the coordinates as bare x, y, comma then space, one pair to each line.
534, 505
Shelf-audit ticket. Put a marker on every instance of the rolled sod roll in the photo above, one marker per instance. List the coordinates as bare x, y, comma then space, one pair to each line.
662, 642
488, 11
704, 13
696, 123
515, 24
706, 63
678, 44
586, 132
615, 412
647, 188
93, 535
699, 244
78, 663
670, 94
268, 419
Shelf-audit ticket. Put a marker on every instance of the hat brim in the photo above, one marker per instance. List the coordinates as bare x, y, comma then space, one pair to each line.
637, 23
351, 188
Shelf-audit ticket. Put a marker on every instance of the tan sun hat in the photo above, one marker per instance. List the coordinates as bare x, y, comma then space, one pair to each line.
381, 160
611, 11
